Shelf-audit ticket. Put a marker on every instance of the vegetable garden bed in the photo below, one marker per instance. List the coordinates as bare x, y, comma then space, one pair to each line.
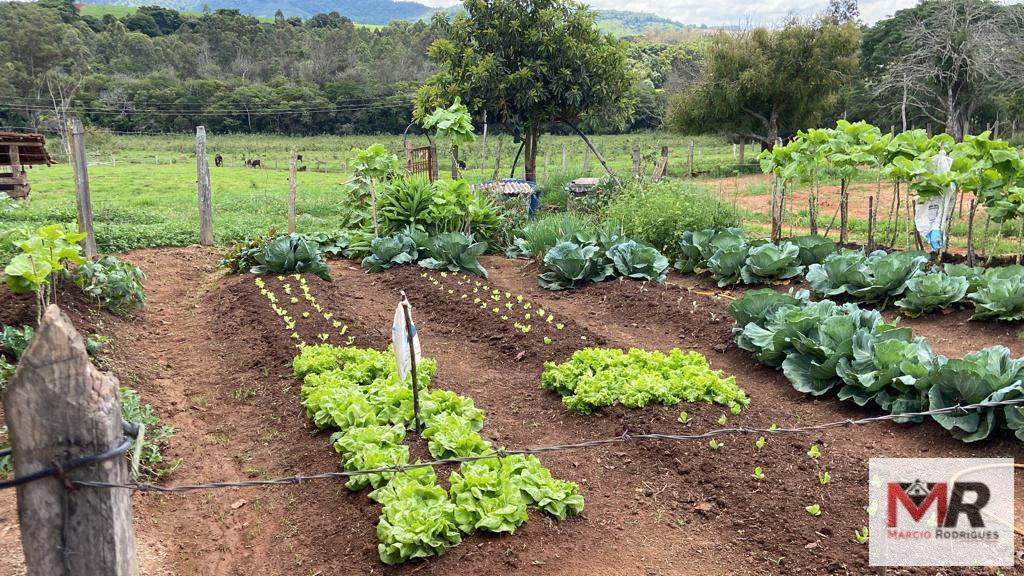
653, 508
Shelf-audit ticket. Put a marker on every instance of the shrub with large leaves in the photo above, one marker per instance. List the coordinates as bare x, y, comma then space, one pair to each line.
771, 262
114, 283
456, 252
1001, 294
634, 260
291, 253
933, 291
390, 251
568, 265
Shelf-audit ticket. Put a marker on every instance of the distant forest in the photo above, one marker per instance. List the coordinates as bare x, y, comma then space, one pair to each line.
160, 70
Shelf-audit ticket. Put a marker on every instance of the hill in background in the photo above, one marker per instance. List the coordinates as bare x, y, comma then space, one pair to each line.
378, 12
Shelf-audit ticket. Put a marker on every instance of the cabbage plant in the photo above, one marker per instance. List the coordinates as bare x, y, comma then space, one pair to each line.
771, 262
456, 252
813, 248
930, 292
291, 253
568, 265
389, 251
984, 375
1001, 294
634, 260
726, 264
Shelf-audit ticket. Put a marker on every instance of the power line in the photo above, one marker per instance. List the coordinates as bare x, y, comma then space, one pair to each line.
399, 102
625, 438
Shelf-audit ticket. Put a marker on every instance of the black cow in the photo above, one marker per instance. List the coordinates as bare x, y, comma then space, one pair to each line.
218, 160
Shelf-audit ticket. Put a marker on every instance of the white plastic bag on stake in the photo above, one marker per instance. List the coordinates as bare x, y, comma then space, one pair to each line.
933, 214
400, 340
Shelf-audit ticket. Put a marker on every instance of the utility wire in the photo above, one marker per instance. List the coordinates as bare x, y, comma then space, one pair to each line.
625, 438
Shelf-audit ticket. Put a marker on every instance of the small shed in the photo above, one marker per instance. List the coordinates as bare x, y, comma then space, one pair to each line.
18, 151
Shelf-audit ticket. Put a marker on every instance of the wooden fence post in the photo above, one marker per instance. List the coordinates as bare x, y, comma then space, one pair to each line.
564, 157
59, 407
970, 233
293, 168
586, 159
433, 162
83, 199
547, 156
689, 169
497, 161
776, 209
203, 185
871, 223
636, 162
743, 151
455, 162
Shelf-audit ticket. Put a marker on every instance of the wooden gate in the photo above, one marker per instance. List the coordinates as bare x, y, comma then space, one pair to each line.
421, 160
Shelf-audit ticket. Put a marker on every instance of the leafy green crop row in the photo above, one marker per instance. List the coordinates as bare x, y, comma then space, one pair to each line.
731, 258
593, 257
821, 346
598, 377
357, 391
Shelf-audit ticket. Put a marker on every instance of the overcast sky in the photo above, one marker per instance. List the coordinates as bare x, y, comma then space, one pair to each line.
733, 12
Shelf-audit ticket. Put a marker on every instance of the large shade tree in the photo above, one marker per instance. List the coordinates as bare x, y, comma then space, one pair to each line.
528, 64
946, 61
770, 82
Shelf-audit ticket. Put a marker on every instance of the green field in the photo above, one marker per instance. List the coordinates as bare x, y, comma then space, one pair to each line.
144, 192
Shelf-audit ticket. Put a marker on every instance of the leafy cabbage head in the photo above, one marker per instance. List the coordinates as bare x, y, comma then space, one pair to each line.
568, 265
634, 260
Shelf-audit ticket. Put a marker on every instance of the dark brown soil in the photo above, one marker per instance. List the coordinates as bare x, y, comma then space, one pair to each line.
214, 360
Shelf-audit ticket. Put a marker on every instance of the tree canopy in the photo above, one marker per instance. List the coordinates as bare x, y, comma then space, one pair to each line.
530, 63
770, 82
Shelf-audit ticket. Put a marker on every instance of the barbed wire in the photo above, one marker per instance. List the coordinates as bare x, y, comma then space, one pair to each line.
131, 432
625, 438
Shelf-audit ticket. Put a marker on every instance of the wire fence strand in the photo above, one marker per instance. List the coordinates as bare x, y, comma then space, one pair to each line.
625, 438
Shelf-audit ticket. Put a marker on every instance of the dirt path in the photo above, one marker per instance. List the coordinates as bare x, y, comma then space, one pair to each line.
214, 360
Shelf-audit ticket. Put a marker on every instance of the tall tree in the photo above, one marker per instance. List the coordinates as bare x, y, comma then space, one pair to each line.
769, 82
527, 64
945, 59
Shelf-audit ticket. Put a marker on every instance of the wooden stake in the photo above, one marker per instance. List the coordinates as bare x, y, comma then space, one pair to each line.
564, 157
970, 232
871, 223
83, 200
204, 193
776, 209
60, 407
586, 159
497, 161
743, 150
636, 162
455, 162
844, 210
547, 156
689, 167
293, 168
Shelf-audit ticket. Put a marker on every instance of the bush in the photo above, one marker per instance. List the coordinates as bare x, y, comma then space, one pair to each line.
115, 284
658, 214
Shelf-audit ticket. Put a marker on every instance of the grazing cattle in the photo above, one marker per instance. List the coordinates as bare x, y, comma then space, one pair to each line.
218, 160
302, 168
253, 164
298, 157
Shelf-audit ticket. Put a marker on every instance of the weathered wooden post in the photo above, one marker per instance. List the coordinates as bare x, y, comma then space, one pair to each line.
565, 153
293, 168
844, 210
83, 200
871, 223
970, 232
661, 168
547, 157
743, 152
203, 185
636, 162
497, 161
689, 168
776, 209
586, 159
433, 162
59, 407
455, 162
